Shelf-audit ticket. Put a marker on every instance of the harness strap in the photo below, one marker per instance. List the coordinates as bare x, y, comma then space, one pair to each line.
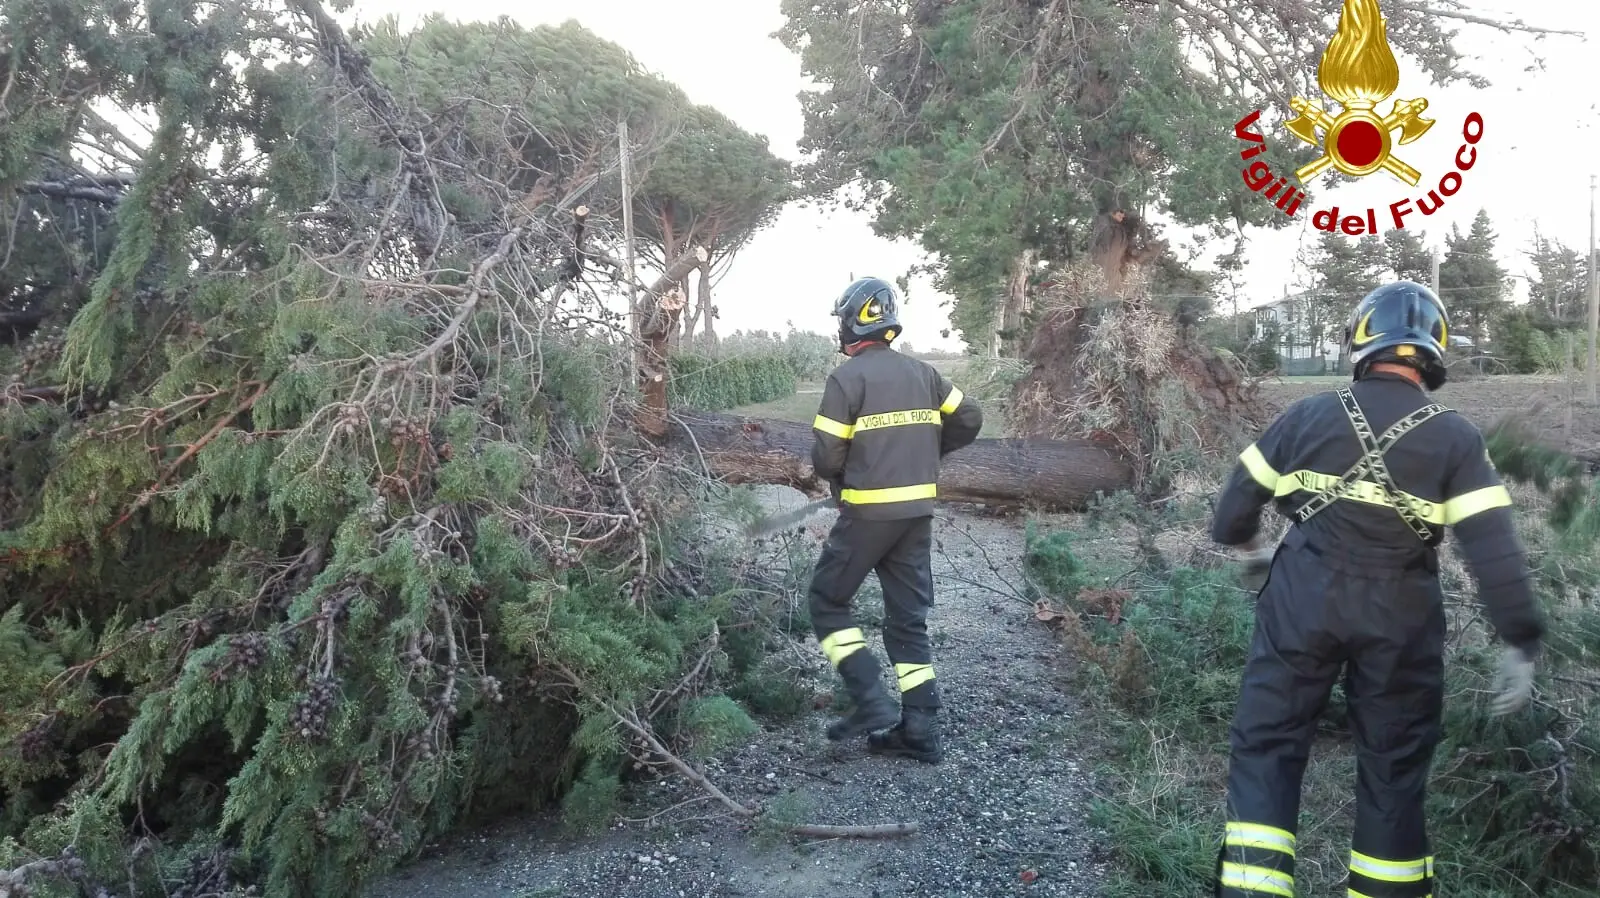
1371, 463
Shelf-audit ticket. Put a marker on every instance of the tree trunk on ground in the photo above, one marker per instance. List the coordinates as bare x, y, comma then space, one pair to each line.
1016, 304
1054, 475
658, 316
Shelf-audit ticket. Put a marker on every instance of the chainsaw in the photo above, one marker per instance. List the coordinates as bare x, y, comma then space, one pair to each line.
784, 520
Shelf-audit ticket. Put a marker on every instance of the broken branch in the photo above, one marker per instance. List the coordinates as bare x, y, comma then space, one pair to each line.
631, 721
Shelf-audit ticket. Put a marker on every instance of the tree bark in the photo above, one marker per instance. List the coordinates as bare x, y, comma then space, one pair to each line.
1051, 475
991, 337
656, 319
684, 332
670, 251
1016, 305
703, 309
1113, 239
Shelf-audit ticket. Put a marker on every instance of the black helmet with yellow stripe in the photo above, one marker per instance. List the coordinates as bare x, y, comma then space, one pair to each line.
868, 309
1404, 323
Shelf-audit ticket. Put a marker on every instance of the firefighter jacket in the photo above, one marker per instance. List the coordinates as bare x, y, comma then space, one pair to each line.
1335, 466
885, 422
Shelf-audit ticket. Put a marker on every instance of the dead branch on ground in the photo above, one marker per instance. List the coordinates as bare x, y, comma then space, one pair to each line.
630, 719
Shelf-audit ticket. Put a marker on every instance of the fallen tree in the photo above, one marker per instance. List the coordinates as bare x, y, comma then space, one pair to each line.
1056, 475
1112, 367
317, 453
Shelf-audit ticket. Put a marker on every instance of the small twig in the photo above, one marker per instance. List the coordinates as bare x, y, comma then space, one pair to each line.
1010, 593
630, 720
694, 673
684, 768
665, 811
212, 434
880, 831
1497, 24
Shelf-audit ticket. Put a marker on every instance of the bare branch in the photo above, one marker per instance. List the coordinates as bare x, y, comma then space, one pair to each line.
1453, 11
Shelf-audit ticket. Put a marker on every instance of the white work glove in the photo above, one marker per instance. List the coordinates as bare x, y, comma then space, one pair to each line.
1257, 560
1513, 684
1257, 563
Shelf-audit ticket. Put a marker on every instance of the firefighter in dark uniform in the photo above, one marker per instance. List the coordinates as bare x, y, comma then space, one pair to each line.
1370, 475
885, 422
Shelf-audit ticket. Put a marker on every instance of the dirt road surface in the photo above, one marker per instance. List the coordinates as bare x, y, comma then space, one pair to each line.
1005, 814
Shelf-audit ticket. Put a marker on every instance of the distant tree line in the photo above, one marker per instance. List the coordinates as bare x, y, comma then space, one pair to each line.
1544, 333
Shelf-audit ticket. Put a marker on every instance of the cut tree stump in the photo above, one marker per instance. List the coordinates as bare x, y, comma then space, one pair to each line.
1050, 475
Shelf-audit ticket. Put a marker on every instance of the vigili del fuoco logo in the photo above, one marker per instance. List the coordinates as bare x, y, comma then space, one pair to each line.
1359, 71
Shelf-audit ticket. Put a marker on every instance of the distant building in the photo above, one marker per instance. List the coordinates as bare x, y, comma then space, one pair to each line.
1293, 318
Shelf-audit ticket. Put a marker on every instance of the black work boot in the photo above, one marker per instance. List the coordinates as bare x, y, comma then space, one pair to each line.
916, 736
874, 709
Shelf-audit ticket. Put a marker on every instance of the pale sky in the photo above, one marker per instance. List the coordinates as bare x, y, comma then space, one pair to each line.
1534, 161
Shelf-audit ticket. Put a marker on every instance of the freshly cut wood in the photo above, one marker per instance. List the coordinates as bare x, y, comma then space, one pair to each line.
1054, 475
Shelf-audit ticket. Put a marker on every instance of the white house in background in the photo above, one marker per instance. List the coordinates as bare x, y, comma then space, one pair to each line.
1300, 351
1286, 316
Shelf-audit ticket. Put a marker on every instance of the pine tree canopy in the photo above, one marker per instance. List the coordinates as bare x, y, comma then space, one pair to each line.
986, 129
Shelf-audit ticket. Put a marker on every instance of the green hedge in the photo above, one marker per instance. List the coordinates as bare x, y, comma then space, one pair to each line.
713, 383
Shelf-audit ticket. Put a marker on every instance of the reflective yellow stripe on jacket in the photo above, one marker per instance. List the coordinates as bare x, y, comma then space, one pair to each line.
890, 494
896, 419
1448, 513
835, 428
877, 422
882, 421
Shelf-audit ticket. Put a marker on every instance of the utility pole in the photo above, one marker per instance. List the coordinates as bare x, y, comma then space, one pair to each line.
1436, 271
1594, 300
627, 225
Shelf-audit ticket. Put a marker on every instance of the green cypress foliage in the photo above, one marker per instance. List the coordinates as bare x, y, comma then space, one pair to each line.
314, 522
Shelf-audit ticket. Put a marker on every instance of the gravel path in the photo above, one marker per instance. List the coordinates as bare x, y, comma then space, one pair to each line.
1005, 814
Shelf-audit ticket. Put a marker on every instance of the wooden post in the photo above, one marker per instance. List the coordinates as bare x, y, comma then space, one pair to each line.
627, 224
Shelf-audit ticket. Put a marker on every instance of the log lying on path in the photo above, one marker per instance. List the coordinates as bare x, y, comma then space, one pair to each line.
1050, 475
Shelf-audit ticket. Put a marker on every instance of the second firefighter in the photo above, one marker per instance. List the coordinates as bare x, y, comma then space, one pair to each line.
1371, 475
885, 422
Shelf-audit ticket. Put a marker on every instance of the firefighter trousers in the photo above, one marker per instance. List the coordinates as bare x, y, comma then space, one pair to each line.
901, 552
1384, 627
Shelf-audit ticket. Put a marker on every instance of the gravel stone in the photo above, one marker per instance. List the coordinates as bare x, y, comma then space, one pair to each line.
1010, 799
